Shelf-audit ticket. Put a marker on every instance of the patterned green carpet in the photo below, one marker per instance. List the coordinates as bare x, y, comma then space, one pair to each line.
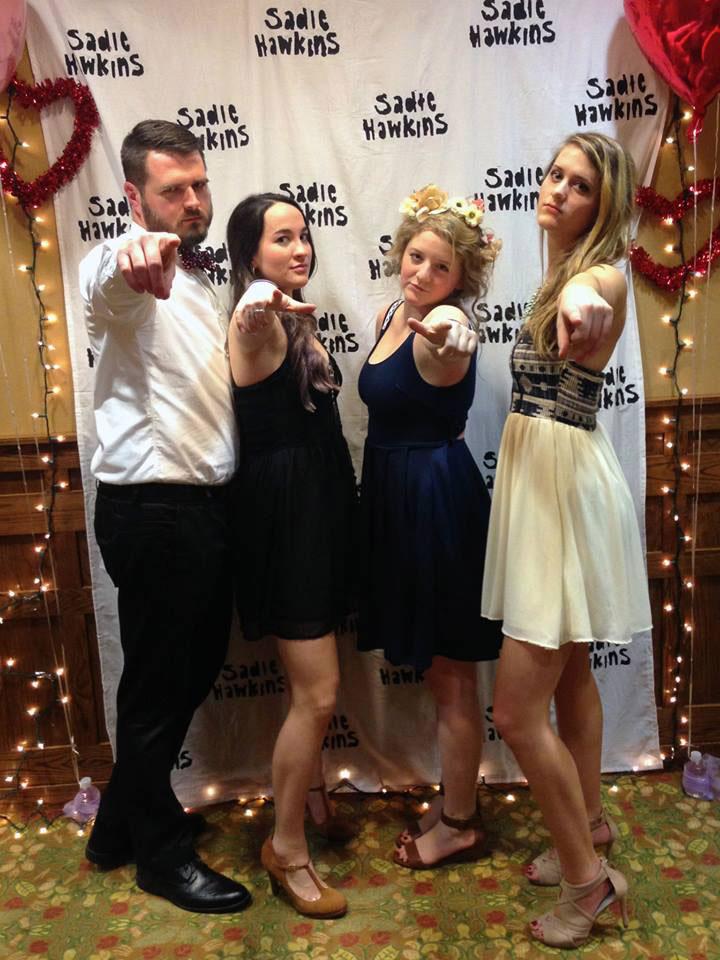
54, 905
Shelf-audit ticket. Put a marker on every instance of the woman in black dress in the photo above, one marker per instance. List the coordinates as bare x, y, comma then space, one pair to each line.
293, 515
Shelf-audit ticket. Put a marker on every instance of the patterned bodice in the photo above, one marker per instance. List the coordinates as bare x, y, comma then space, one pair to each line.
559, 390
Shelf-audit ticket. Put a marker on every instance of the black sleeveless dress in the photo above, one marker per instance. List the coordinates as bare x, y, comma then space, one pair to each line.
424, 510
294, 511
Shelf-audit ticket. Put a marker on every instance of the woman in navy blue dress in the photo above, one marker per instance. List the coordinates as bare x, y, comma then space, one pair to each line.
424, 504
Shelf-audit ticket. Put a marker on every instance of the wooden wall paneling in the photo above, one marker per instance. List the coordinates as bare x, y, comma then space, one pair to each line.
698, 504
55, 629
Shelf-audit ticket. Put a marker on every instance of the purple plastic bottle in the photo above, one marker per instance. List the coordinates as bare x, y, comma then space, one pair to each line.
695, 779
85, 803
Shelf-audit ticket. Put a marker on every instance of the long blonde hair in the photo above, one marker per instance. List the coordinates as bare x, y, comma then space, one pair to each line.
605, 242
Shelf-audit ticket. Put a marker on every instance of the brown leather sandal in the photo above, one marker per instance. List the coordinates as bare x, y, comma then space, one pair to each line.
334, 827
477, 849
413, 830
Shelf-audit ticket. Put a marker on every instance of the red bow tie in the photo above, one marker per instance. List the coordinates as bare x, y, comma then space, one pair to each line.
194, 259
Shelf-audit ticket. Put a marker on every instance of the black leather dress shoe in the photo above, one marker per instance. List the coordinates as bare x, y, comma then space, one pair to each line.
112, 856
196, 887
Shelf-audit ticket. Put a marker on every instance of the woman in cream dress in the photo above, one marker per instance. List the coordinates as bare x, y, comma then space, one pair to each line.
564, 563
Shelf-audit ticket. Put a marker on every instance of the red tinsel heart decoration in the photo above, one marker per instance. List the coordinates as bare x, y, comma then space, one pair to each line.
672, 278
65, 168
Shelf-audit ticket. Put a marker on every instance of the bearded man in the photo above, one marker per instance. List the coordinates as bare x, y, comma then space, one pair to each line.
166, 452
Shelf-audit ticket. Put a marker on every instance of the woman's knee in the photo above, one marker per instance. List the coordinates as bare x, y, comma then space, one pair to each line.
453, 682
319, 699
513, 721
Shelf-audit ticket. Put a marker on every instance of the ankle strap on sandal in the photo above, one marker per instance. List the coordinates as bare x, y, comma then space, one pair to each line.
473, 822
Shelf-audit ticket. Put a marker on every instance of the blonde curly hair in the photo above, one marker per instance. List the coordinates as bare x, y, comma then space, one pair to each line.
476, 249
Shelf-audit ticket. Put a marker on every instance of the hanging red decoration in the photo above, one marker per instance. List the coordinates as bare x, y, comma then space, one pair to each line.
681, 39
65, 168
672, 278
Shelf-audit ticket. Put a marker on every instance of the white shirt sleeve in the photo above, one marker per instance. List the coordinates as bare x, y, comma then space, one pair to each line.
107, 296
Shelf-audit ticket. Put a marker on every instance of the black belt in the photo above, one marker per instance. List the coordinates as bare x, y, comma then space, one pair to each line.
162, 492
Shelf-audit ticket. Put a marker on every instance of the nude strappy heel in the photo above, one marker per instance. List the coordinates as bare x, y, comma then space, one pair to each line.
544, 870
569, 924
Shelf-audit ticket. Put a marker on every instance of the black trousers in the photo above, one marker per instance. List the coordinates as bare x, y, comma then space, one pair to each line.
167, 550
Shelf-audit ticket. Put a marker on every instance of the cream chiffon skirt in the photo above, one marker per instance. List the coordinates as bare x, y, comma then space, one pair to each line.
564, 560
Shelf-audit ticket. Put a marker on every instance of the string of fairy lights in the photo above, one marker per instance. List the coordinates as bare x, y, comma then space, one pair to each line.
679, 603
45, 442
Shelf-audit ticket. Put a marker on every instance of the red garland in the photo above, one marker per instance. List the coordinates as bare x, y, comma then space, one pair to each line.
67, 165
672, 278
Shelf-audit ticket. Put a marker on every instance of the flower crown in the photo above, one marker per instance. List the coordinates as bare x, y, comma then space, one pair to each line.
431, 200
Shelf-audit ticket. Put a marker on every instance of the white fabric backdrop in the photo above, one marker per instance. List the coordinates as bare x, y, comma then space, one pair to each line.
348, 108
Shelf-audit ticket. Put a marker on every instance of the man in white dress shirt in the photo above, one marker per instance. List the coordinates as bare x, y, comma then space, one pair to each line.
166, 453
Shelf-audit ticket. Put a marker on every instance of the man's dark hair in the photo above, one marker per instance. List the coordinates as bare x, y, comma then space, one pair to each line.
159, 135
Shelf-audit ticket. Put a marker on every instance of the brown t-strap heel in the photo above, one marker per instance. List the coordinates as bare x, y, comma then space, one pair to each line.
476, 850
331, 903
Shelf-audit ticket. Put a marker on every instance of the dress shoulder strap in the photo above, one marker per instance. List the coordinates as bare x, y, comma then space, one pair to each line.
387, 319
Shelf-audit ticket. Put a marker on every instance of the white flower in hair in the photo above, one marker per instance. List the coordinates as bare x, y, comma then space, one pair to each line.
473, 216
431, 201
458, 205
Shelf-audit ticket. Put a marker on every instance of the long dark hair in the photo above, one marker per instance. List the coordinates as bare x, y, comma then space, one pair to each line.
244, 230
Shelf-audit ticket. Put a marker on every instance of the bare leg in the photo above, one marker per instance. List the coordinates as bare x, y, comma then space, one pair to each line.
321, 806
526, 680
453, 684
312, 669
580, 724
315, 799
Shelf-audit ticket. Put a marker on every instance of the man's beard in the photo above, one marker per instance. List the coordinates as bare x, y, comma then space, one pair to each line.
155, 224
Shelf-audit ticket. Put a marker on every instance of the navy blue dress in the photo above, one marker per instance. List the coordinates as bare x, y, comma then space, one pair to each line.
424, 510
294, 511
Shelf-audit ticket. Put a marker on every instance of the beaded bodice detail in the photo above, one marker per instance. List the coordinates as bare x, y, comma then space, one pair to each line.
560, 390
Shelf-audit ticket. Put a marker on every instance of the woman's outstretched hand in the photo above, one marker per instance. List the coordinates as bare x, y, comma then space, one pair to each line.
584, 321
449, 339
259, 304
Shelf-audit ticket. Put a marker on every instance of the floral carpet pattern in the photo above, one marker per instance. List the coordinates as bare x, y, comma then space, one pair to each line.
56, 906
